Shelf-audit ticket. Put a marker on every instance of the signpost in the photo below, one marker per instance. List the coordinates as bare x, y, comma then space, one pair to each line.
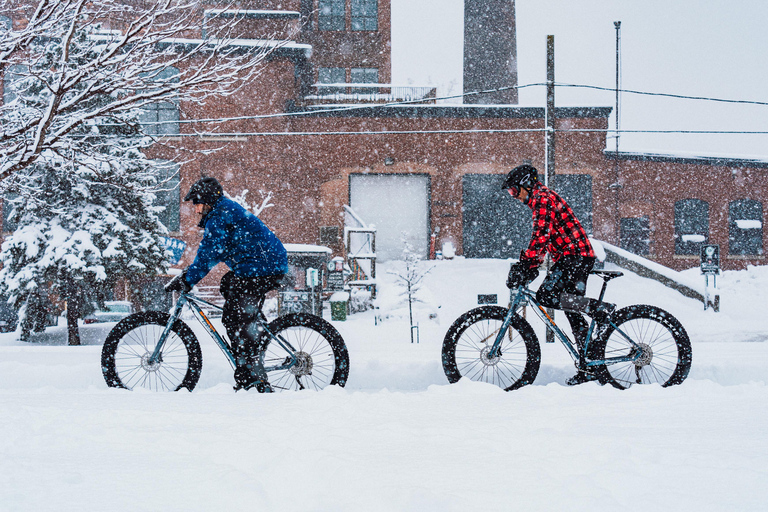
710, 266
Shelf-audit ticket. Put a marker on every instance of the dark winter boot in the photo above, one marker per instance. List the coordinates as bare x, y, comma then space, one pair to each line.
581, 377
248, 375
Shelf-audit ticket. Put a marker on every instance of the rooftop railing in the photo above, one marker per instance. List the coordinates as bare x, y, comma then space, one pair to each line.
370, 93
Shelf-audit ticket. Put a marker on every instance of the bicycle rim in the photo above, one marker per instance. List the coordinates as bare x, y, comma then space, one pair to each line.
132, 360
316, 362
660, 353
472, 350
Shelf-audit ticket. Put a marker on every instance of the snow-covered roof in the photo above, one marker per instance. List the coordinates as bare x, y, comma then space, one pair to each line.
279, 44
252, 13
307, 248
691, 158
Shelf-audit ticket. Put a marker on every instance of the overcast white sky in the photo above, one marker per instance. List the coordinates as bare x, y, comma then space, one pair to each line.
709, 48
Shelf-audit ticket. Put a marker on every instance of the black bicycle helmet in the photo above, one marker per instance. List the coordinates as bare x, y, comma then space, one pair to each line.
523, 176
205, 191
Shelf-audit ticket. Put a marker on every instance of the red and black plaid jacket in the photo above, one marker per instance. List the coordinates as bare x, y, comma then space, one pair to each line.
556, 229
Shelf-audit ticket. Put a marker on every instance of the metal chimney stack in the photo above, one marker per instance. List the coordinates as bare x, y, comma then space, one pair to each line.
490, 51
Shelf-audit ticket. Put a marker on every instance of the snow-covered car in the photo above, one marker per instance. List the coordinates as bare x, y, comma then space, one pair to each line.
114, 311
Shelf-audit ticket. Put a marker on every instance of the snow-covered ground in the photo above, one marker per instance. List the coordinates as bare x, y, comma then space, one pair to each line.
398, 437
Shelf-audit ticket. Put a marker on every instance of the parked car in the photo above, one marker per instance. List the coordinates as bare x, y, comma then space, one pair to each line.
114, 311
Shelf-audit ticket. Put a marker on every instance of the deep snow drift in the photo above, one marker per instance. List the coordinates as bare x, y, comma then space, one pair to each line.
398, 437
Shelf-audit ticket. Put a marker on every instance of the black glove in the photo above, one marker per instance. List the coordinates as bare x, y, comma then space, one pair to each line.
521, 273
179, 283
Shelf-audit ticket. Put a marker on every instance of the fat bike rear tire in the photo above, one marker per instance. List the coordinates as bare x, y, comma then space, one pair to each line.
129, 345
322, 356
664, 348
469, 339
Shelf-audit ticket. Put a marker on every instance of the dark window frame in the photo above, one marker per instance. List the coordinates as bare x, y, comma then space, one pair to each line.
745, 241
364, 15
166, 112
332, 15
169, 195
691, 218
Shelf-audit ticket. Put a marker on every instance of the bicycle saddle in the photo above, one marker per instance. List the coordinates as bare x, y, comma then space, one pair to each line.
607, 275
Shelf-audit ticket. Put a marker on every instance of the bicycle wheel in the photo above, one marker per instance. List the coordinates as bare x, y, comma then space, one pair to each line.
663, 345
129, 345
322, 357
469, 339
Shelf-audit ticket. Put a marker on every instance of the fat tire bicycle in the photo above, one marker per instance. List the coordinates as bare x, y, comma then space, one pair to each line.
639, 344
160, 352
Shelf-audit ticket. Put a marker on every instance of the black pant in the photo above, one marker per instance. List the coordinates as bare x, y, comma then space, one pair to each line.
243, 300
568, 275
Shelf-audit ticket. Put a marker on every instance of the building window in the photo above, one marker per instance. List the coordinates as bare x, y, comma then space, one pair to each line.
168, 194
635, 235
691, 226
331, 76
364, 76
365, 14
8, 206
12, 81
5, 24
331, 15
745, 227
162, 118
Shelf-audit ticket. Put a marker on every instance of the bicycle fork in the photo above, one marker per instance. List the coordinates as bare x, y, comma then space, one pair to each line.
157, 354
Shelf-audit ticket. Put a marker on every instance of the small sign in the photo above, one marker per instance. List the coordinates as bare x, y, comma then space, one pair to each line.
487, 299
175, 246
710, 259
335, 280
313, 277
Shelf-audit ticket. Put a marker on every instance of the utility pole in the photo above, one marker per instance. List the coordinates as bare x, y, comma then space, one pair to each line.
550, 171
616, 186
550, 110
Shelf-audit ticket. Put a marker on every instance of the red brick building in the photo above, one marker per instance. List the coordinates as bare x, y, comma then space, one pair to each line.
433, 168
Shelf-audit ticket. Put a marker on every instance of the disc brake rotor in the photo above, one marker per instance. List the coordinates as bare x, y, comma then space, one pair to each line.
488, 361
151, 367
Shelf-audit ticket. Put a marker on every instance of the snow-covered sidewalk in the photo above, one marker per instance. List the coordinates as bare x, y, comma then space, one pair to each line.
398, 437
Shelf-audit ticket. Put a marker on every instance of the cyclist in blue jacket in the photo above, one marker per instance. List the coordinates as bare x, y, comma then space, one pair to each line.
257, 261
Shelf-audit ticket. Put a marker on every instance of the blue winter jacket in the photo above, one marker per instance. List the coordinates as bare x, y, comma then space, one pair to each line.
238, 238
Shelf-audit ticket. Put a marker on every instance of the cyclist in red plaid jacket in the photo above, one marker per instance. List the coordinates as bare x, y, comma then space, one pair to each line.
556, 231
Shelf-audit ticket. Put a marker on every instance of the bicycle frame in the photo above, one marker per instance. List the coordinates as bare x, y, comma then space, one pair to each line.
525, 296
195, 303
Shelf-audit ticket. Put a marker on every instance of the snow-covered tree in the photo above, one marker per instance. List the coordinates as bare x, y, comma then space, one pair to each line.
83, 213
410, 275
130, 45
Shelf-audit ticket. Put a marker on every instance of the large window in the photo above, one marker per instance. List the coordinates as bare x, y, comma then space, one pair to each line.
365, 14
162, 118
635, 235
364, 76
331, 76
8, 206
168, 194
12, 81
691, 226
745, 227
331, 15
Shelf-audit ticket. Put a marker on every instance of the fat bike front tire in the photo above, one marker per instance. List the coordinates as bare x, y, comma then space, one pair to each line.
470, 338
130, 344
322, 358
663, 347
